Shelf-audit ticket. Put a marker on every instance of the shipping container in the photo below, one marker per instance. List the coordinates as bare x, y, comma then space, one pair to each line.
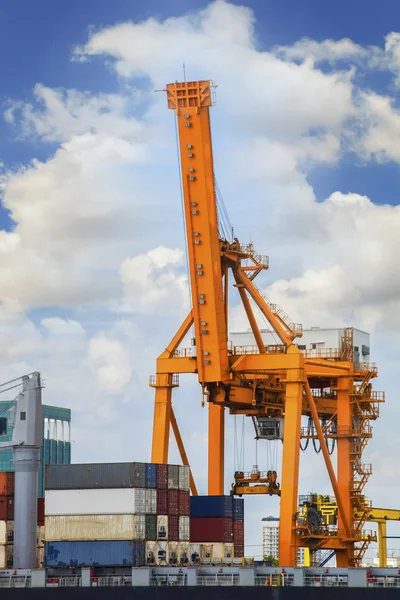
6, 532
162, 477
184, 478
150, 502
211, 506
173, 502
184, 528
6, 508
211, 530
151, 553
162, 502
151, 475
41, 535
173, 477
95, 475
6, 556
40, 512
99, 553
95, 502
139, 527
162, 553
238, 532
173, 528
216, 551
195, 556
6, 484
162, 528
139, 475
91, 527
184, 503
173, 554
184, 553
40, 557
151, 528
238, 509
238, 550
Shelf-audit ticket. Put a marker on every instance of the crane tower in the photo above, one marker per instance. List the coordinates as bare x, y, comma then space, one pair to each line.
267, 383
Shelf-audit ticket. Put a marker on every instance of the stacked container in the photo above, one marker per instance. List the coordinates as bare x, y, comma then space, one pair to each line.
211, 528
7, 522
115, 514
238, 527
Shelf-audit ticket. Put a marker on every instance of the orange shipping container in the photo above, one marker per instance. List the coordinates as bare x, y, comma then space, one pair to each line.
6, 484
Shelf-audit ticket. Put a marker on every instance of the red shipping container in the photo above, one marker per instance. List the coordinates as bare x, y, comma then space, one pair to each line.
40, 512
238, 532
173, 502
6, 508
173, 528
6, 484
162, 502
238, 550
162, 477
211, 530
184, 503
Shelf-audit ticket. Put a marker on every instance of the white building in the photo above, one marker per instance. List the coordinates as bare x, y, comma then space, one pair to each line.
316, 341
270, 540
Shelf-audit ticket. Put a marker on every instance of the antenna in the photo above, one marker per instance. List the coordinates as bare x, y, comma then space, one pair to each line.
184, 72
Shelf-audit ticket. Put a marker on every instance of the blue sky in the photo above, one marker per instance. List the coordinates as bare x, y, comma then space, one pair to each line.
36, 41
93, 268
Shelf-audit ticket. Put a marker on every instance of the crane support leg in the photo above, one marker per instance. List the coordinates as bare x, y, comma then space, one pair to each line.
382, 544
216, 449
182, 452
162, 419
288, 542
327, 458
344, 465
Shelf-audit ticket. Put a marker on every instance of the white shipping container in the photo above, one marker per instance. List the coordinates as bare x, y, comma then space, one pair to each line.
216, 551
195, 553
184, 529
123, 501
91, 527
151, 502
139, 527
6, 532
173, 553
162, 553
184, 553
6, 555
162, 527
151, 553
184, 478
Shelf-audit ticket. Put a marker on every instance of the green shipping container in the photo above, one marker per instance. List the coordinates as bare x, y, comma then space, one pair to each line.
151, 527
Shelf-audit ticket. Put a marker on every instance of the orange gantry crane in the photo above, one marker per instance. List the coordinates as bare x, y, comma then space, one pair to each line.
270, 384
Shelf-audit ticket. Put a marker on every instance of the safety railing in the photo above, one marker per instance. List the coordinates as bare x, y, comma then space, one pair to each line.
219, 579
261, 259
364, 367
325, 581
253, 349
153, 380
111, 581
168, 580
15, 581
386, 581
274, 580
64, 581
322, 353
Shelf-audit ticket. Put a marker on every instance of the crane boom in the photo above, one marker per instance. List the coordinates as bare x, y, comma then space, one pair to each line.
191, 101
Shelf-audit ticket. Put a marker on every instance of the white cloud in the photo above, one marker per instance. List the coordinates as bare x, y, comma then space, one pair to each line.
98, 225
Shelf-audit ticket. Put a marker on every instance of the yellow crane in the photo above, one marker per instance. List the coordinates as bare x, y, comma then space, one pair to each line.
270, 384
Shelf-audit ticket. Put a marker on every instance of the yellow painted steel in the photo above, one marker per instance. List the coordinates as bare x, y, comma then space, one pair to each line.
259, 381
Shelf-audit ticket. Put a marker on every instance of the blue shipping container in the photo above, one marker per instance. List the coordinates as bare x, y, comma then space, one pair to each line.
151, 475
215, 507
238, 509
92, 554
